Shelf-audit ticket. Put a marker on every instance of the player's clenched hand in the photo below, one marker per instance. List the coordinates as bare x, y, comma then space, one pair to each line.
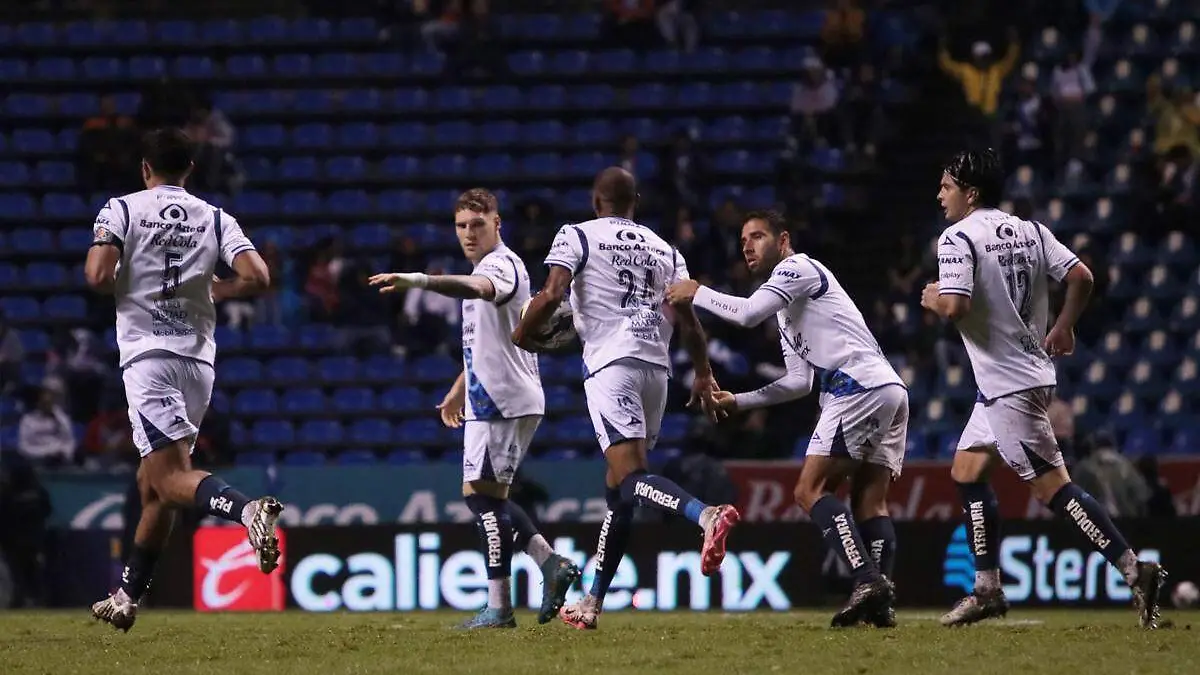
725, 402
399, 281
683, 292
1060, 342
929, 296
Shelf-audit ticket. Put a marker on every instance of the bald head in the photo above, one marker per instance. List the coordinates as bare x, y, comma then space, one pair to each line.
614, 193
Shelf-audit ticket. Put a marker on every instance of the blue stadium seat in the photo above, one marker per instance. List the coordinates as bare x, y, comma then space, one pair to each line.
298, 168
312, 135
10, 276
310, 30
1142, 317
400, 166
28, 105
304, 458
1176, 411
221, 32
400, 202
239, 371
409, 99
452, 98
1116, 350
300, 202
493, 164
304, 401
246, 66
263, 136
65, 307
128, 32
357, 458
36, 34
55, 173
405, 457
270, 338
592, 96
271, 433
344, 168
447, 166
526, 62
312, 101
384, 369
454, 133
33, 141
289, 369
359, 135
335, 65
1159, 349
435, 369
387, 64
177, 33
358, 30
1186, 440
1131, 253
1179, 253
291, 65
256, 402
85, 33
349, 201
371, 236
674, 428
338, 369
45, 275
1126, 413
228, 339
193, 68
14, 173
542, 132
320, 432
546, 97
361, 100
371, 432
254, 459
35, 341
1146, 382
256, 203
12, 70
403, 399
499, 132
417, 432
585, 164
354, 400
754, 59
102, 68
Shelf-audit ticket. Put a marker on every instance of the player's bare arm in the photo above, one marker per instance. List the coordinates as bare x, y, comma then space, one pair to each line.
1060, 341
452, 406
542, 307
462, 286
949, 306
101, 267
251, 277
691, 333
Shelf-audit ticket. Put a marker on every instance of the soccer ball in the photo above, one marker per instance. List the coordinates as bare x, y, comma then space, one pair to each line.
559, 332
1185, 594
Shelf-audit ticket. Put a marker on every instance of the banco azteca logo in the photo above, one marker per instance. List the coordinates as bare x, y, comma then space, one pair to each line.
959, 567
173, 213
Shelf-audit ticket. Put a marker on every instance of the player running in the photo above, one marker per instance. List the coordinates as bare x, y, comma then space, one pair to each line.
500, 392
992, 270
863, 427
621, 270
156, 250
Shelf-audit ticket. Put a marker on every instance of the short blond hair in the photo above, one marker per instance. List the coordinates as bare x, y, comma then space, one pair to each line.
477, 199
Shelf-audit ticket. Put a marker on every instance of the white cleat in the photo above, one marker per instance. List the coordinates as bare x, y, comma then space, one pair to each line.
582, 615
116, 610
261, 532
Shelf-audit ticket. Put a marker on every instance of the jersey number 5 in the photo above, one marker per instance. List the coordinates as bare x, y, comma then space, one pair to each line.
631, 290
170, 274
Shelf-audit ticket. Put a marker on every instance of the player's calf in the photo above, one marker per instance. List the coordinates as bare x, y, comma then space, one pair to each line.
558, 573
494, 522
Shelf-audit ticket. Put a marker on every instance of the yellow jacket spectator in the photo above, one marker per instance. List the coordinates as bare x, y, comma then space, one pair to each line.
981, 80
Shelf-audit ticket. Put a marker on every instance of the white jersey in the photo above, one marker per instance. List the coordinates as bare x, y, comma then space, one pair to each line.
502, 379
1002, 262
170, 241
621, 272
822, 325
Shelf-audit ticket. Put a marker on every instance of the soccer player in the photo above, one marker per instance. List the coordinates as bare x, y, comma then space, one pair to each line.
617, 272
156, 250
500, 392
863, 427
992, 283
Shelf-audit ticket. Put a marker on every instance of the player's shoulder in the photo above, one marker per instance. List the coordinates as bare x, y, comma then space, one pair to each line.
502, 255
796, 262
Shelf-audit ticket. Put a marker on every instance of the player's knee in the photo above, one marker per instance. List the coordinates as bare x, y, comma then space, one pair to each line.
968, 467
809, 489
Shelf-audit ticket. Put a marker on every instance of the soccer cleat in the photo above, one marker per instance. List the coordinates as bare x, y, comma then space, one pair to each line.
976, 607
884, 617
716, 529
116, 610
490, 618
558, 574
866, 600
582, 615
261, 532
1151, 577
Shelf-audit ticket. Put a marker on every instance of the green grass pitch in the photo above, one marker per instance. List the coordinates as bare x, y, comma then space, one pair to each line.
1027, 642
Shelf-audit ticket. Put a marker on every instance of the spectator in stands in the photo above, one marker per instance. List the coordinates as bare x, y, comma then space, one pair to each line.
364, 329
268, 306
106, 157
982, 77
685, 174
866, 119
216, 168
321, 284
907, 268
815, 119
45, 436
475, 52
679, 24
534, 227
1110, 477
630, 23
441, 31
108, 438
429, 317
627, 155
24, 509
1178, 187
1028, 126
1070, 86
1176, 117
77, 357
1160, 503
12, 355
842, 34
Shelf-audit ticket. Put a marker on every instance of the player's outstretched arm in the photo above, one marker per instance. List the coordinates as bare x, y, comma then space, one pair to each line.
1060, 341
797, 383
462, 286
101, 267
542, 307
744, 312
251, 276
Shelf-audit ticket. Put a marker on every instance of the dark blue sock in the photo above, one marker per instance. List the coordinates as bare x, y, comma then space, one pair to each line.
139, 569
647, 489
216, 498
880, 537
522, 525
841, 534
982, 513
614, 537
496, 529
1076, 505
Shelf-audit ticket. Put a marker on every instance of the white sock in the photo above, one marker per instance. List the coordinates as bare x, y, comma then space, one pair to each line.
500, 593
1128, 566
539, 549
248, 512
987, 580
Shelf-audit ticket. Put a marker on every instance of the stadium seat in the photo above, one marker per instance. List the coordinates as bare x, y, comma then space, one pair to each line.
358, 457
403, 399
289, 369
336, 369
239, 371
254, 459
405, 457
371, 432
273, 433
320, 433
304, 458
65, 307
258, 402
306, 401
354, 400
